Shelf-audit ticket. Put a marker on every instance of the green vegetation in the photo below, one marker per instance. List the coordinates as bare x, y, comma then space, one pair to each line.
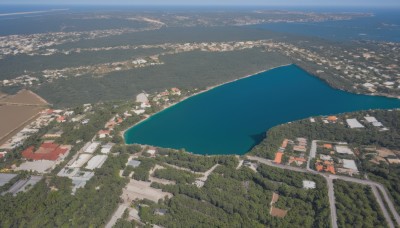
334, 132
142, 171
197, 163
356, 206
89, 207
184, 70
180, 176
233, 198
388, 175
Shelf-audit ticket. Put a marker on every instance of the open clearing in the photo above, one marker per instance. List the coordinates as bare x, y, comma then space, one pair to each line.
18, 110
15, 117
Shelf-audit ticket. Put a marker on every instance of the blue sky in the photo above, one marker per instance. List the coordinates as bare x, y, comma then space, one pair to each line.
213, 2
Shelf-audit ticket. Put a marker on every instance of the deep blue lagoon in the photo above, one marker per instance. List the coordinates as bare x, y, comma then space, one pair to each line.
229, 119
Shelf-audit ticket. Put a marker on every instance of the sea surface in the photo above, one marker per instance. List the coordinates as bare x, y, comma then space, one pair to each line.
232, 118
384, 25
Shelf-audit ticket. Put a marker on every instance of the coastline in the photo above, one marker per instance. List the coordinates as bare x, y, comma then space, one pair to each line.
122, 133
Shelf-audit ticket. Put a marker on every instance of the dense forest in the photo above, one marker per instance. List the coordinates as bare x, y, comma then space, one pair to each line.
234, 198
188, 70
388, 175
43, 206
356, 206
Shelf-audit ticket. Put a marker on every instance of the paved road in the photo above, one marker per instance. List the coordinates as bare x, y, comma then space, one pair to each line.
330, 177
332, 202
382, 206
382, 189
313, 152
117, 214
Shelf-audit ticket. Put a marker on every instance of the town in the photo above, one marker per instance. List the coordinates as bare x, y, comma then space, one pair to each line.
58, 150
365, 69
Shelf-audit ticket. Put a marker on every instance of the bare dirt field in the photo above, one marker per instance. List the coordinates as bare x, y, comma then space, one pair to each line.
142, 190
18, 110
13, 117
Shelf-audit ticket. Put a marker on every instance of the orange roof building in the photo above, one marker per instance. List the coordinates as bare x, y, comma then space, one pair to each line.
299, 161
327, 146
319, 167
332, 118
278, 157
330, 168
47, 151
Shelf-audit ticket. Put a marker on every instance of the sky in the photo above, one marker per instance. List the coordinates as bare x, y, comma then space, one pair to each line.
361, 3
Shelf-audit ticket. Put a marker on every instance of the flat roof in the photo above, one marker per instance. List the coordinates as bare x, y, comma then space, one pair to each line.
349, 164
92, 147
353, 123
343, 150
40, 166
309, 184
82, 159
370, 119
96, 162
5, 178
134, 163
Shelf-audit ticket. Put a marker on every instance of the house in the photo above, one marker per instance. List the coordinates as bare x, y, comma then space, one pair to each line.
298, 161
332, 118
103, 134
139, 111
325, 157
330, 168
278, 157
284, 143
299, 148
176, 91
152, 152
327, 146
61, 119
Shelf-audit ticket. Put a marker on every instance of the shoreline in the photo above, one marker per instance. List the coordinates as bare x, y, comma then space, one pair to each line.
122, 133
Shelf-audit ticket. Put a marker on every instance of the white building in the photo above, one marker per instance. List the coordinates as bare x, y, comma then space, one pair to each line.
343, 150
353, 123
309, 184
92, 147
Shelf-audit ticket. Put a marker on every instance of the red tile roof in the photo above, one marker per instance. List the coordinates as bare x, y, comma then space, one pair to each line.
278, 157
47, 151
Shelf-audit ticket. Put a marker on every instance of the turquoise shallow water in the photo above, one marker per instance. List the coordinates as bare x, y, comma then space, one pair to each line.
231, 118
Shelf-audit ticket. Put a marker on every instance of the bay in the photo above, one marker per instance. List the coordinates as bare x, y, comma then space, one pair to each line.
232, 118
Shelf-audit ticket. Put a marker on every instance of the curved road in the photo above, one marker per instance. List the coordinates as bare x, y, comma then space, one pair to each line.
329, 177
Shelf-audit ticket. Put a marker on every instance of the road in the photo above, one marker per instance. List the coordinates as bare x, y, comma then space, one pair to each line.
382, 206
332, 202
117, 215
329, 177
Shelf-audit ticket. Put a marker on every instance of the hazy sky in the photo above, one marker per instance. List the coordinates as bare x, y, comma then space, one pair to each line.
213, 2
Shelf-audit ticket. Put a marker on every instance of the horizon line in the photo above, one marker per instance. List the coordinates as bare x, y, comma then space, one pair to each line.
201, 5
